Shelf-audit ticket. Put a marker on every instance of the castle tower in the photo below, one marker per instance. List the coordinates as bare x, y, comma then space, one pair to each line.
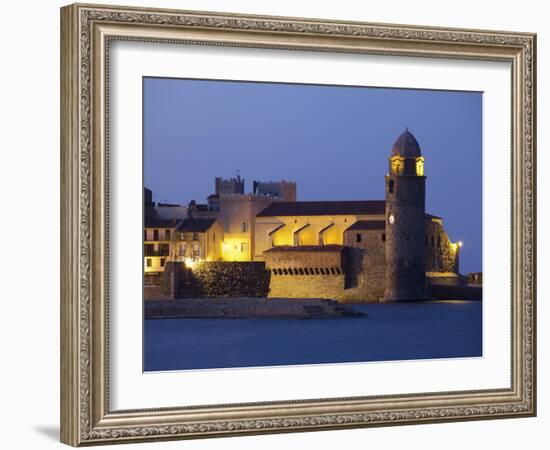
405, 222
230, 186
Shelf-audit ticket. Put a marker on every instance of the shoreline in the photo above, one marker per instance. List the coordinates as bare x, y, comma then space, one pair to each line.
265, 308
248, 308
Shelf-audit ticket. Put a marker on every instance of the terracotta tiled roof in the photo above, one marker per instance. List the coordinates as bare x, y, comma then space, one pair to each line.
160, 223
193, 225
328, 208
362, 225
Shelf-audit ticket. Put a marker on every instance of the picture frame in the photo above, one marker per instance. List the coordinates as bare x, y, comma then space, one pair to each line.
87, 31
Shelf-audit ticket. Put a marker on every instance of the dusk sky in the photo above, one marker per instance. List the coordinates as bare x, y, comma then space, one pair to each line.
334, 141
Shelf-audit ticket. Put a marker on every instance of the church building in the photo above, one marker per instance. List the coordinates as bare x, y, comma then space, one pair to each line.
356, 250
385, 250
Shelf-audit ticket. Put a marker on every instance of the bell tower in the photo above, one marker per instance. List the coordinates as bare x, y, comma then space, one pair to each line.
405, 222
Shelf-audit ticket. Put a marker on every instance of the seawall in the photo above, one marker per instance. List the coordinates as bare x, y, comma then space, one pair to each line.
247, 308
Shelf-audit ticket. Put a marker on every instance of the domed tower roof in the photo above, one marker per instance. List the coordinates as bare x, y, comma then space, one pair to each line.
406, 145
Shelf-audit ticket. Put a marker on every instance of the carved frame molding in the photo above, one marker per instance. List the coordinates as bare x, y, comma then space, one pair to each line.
86, 31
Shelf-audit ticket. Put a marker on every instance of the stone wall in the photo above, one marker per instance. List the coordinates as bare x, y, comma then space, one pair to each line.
360, 278
210, 279
152, 287
175, 279
289, 259
230, 279
153, 293
405, 248
251, 308
307, 286
441, 254
365, 266
446, 279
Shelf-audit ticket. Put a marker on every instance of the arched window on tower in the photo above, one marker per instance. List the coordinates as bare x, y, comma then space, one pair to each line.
419, 167
396, 167
391, 186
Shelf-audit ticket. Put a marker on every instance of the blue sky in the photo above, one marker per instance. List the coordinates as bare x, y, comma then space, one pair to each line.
334, 141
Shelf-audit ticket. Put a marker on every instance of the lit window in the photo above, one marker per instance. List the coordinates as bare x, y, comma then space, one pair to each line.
419, 168
243, 247
149, 262
397, 168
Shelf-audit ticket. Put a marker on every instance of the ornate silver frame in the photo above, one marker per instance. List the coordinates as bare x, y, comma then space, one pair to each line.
86, 31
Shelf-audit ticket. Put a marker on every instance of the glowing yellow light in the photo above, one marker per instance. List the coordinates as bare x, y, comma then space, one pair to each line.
420, 167
235, 249
396, 167
190, 262
460, 243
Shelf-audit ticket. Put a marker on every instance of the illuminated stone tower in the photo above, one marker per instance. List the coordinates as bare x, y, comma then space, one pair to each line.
405, 222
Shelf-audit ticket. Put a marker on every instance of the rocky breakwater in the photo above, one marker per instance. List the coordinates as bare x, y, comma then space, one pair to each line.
248, 308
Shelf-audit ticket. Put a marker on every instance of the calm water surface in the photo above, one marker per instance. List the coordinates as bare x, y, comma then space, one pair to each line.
393, 331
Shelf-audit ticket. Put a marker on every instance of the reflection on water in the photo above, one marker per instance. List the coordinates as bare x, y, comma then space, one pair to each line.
393, 331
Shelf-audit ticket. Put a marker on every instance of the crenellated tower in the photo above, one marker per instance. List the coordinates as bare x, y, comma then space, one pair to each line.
405, 222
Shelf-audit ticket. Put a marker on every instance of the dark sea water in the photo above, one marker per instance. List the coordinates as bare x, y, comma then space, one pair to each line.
392, 331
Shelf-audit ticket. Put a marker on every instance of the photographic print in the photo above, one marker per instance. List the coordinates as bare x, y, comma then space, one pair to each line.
296, 224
